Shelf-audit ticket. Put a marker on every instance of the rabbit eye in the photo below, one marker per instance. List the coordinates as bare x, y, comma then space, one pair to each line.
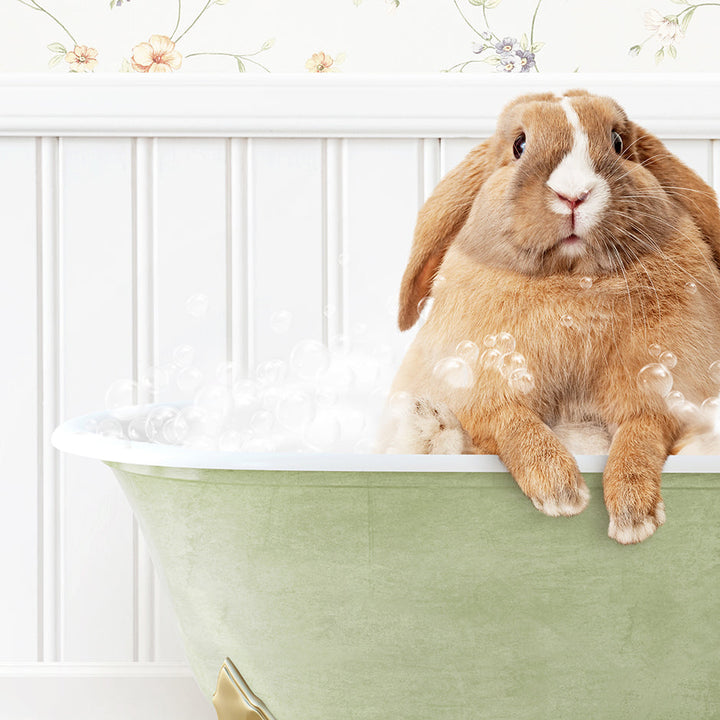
519, 145
617, 142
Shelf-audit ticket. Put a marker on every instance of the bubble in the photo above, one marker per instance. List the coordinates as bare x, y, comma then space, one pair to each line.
686, 412
174, 431
189, 380
365, 446
439, 281
655, 350
491, 358
400, 402
121, 394
270, 397
326, 396
468, 351
281, 321
136, 429
566, 320
714, 371
668, 359
197, 304
184, 355
309, 358
510, 362
521, 380
155, 422
424, 307
226, 372
295, 410
454, 371
155, 380
505, 343
586, 282
366, 371
340, 376
214, 398
261, 422
194, 422
271, 372
110, 427
231, 441
710, 407
323, 431
674, 399
490, 341
655, 378
246, 397
690, 288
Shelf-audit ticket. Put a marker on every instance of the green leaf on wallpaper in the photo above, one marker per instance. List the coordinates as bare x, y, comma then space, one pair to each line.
55, 60
537, 47
524, 41
240, 64
57, 48
672, 51
222, 2
687, 18
268, 44
659, 55
476, 2
490, 4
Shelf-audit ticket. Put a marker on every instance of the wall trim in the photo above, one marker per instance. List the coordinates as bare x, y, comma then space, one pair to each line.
112, 691
437, 105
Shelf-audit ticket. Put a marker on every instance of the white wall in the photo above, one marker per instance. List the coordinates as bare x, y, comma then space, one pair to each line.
102, 239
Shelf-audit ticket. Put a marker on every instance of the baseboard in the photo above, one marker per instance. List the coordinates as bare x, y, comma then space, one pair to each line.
122, 691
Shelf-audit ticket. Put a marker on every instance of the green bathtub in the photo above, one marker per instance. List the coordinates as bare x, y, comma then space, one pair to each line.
409, 587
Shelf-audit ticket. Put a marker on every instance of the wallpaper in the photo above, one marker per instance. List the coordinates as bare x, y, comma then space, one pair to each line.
358, 36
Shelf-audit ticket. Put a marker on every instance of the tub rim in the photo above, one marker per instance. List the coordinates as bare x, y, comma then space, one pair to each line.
72, 437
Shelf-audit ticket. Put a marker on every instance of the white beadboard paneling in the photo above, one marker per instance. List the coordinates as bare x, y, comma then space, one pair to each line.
97, 348
140, 691
385, 181
191, 253
19, 428
454, 151
286, 244
696, 154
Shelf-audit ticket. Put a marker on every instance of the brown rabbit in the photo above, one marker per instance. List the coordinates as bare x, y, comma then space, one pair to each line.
575, 236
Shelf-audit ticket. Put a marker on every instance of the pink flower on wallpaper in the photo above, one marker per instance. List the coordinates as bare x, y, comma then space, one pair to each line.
666, 29
320, 62
82, 59
156, 55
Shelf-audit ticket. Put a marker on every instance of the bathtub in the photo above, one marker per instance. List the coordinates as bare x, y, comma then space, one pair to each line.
406, 587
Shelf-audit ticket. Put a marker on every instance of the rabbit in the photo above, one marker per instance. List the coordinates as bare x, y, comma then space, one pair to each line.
575, 235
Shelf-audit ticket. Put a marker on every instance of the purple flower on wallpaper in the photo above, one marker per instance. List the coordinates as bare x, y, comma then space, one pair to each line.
507, 45
527, 60
509, 62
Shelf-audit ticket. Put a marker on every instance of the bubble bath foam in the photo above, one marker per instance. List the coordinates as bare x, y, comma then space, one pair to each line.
368, 587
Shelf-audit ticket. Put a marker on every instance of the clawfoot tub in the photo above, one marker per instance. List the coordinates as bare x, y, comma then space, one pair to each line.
362, 587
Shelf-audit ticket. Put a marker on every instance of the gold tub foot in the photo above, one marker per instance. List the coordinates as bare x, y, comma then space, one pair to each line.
234, 700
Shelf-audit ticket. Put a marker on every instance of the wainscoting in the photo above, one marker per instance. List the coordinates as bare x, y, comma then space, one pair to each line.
122, 197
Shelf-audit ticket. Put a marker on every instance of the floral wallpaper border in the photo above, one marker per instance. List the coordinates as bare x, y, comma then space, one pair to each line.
490, 47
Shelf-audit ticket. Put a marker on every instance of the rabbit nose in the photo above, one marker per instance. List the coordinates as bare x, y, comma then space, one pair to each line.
573, 202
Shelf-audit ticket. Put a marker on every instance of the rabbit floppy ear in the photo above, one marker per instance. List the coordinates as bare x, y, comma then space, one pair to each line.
439, 221
682, 184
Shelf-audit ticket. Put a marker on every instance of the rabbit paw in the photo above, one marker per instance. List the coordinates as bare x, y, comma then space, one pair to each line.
421, 426
630, 527
568, 499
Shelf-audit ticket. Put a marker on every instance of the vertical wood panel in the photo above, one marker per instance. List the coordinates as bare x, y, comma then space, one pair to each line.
50, 390
192, 251
385, 178
697, 154
97, 345
287, 243
19, 420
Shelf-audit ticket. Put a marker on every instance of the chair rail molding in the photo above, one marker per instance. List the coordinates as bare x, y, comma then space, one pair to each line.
677, 105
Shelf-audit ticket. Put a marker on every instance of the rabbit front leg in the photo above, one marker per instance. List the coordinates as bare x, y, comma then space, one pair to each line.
541, 465
631, 481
